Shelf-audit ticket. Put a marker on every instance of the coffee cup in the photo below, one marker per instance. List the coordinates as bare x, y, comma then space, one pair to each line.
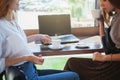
56, 43
96, 13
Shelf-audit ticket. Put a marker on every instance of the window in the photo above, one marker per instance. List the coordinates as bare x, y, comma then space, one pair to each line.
80, 11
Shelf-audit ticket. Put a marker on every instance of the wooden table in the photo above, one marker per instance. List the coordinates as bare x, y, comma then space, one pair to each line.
94, 44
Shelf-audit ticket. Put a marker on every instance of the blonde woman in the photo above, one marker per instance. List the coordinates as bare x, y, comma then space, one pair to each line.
14, 51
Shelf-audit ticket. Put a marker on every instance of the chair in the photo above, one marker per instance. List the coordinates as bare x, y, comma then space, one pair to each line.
12, 73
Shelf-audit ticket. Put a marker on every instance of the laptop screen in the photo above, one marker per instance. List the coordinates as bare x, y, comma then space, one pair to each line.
59, 24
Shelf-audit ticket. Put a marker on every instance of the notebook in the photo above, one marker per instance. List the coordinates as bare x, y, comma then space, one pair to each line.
58, 24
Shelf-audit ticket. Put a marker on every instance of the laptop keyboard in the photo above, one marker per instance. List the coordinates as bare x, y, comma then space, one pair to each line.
68, 38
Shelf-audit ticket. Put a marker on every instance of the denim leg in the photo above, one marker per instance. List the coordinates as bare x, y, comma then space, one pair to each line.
29, 70
49, 71
32, 74
60, 76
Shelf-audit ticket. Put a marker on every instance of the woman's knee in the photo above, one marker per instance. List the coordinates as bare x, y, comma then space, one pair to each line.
71, 60
73, 75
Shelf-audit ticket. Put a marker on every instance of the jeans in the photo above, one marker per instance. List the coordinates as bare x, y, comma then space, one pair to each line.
32, 74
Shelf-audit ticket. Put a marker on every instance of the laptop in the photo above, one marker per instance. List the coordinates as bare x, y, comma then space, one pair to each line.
58, 24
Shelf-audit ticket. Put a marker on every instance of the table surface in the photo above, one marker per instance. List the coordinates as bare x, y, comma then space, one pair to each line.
93, 43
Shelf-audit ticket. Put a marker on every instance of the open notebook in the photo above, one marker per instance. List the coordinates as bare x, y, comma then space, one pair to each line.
59, 24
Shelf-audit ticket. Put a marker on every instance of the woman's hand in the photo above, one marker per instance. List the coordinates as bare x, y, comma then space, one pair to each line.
36, 59
46, 39
98, 57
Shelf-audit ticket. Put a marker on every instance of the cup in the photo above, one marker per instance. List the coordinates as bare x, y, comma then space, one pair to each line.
56, 43
96, 13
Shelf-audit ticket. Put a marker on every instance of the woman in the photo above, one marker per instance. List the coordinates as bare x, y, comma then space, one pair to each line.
14, 51
102, 67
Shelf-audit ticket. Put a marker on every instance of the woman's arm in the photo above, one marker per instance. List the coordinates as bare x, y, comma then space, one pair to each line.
43, 38
33, 37
111, 57
34, 59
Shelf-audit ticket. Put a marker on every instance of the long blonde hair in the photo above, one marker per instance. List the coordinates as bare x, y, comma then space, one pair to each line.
4, 7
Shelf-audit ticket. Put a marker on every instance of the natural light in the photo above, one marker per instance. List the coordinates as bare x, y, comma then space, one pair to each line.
80, 11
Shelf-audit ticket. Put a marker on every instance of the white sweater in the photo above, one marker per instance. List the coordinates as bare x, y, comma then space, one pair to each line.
13, 42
